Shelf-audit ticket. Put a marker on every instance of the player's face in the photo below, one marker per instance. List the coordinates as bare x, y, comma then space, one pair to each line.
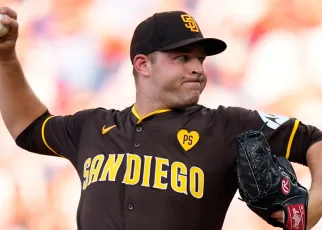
178, 76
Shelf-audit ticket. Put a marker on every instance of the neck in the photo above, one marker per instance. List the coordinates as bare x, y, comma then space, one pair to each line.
145, 105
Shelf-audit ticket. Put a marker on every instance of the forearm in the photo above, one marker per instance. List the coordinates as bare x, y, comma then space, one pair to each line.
19, 105
314, 159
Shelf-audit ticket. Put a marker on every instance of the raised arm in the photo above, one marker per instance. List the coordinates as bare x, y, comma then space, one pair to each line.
19, 105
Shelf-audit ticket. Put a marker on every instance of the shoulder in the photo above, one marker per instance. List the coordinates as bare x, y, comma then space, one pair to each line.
201, 109
243, 118
101, 114
219, 112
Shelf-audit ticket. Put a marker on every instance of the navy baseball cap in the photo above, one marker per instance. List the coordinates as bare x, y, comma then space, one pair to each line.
170, 30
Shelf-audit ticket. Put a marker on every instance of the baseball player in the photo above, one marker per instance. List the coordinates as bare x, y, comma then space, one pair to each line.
165, 162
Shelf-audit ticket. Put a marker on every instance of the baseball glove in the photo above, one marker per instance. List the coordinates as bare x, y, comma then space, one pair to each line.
268, 183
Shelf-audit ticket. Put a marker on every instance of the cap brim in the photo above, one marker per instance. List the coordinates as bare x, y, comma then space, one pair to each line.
212, 46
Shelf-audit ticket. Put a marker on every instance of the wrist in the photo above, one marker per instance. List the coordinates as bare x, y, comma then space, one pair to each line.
9, 58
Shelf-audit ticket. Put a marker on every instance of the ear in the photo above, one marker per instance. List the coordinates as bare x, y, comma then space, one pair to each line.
140, 63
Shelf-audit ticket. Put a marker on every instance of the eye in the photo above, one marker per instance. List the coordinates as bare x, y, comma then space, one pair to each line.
183, 58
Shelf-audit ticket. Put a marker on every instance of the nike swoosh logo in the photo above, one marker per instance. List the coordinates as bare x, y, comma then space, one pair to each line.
105, 130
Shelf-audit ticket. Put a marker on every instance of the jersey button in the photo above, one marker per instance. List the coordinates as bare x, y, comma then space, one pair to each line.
130, 206
139, 129
136, 144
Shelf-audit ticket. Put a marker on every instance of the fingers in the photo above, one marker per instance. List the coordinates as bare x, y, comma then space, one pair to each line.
278, 215
8, 11
10, 22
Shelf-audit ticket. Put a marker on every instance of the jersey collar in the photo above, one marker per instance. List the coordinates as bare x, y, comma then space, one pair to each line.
140, 119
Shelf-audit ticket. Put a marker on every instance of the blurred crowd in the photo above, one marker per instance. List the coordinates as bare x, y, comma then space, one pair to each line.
75, 55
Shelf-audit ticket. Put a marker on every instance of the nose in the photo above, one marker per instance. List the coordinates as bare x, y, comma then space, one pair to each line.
196, 67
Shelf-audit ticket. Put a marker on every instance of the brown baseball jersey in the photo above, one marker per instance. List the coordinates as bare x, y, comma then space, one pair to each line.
172, 169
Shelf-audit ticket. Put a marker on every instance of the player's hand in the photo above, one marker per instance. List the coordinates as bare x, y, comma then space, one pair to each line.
278, 215
8, 42
314, 210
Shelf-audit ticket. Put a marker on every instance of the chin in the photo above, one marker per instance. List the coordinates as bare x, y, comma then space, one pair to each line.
194, 97
189, 101
183, 100
193, 102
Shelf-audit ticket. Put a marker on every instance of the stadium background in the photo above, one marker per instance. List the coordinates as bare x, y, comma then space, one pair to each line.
75, 54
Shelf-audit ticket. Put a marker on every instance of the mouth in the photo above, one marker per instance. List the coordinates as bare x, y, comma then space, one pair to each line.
193, 81
195, 85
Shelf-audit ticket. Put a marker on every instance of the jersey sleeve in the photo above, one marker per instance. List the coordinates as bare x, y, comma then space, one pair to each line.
55, 135
288, 137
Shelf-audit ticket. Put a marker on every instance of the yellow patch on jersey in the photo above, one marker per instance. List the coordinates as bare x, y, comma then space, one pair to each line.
187, 139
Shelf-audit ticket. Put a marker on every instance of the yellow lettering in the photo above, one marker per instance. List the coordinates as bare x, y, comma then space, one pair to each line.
86, 172
195, 171
131, 158
147, 171
95, 168
111, 167
159, 173
179, 173
179, 179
